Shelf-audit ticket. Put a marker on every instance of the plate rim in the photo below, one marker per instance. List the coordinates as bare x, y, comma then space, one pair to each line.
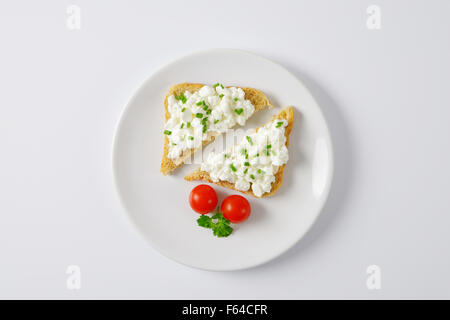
117, 129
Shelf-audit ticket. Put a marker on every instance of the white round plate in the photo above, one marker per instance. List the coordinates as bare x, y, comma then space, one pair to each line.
158, 205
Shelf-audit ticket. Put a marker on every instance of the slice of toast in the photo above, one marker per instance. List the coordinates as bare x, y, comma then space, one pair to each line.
287, 114
256, 97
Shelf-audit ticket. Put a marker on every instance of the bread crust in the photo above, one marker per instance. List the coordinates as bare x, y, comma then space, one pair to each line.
287, 114
256, 97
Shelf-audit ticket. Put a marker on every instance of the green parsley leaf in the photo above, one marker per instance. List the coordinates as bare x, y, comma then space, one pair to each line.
249, 140
191, 138
205, 221
236, 99
246, 170
204, 128
183, 109
167, 132
215, 121
208, 112
174, 144
199, 103
232, 167
279, 124
182, 125
261, 171
220, 229
221, 95
252, 176
188, 124
247, 164
216, 215
199, 115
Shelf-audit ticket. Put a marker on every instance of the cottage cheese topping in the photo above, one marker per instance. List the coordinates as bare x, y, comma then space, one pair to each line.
254, 162
196, 116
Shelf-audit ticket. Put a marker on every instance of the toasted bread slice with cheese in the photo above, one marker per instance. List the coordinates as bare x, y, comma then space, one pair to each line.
286, 114
256, 97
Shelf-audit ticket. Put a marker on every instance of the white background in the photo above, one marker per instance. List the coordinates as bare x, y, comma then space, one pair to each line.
385, 94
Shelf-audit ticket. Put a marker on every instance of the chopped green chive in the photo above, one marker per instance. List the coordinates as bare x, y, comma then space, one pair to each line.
182, 125
208, 112
257, 155
221, 95
204, 128
243, 151
188, 124
252, 176
247, 164
191, 138
225, 155
204, 120
199, 103
232, 167
205, 108
246, 156
181, 97
239, 111
174, 144
167, 132
218, 84
215, 121
236, 99
261, 171
199, 115
268, 146
266, 152
249, 140
246, 170
279, 124
182, 110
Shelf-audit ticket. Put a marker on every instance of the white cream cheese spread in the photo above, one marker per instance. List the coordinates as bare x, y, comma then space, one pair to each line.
253, 162
195, 116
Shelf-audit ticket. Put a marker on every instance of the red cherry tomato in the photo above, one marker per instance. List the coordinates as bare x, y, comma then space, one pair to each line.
203, 199
235, 208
